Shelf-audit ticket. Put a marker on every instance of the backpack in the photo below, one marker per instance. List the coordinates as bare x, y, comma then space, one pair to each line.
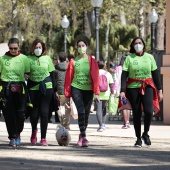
103, 86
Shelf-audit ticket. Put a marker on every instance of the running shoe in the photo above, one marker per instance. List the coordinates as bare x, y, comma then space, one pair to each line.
12, 143
138, 143
146, 140
43, 142
124, 126
79, 143
18, 141
103, 126
128, 124
100, 129
85, 142
34, 137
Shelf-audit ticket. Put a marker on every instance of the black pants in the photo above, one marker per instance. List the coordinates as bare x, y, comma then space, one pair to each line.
40, 109
136, 99
83, 101
14, 113
56, 116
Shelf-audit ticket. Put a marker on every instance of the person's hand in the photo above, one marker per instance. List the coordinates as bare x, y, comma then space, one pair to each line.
122, 95
160, 95
97, 97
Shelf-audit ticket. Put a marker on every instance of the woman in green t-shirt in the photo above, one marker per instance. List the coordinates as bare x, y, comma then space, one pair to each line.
81, 81
141, 71
13, 66
40, 85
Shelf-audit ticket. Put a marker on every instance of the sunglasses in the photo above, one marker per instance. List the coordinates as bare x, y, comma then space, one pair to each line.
16, 48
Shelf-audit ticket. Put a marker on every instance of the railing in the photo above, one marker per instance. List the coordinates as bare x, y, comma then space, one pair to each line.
158, 54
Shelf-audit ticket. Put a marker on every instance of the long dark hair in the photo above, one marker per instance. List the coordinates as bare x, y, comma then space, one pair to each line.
132, 50
101, 64
85, 42
35, 42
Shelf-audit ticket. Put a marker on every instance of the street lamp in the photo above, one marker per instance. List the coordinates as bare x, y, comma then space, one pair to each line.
96, 4
153, 17
65, 23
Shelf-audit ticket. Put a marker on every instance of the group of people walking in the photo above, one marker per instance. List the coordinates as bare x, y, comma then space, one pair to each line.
39, 68
85, 80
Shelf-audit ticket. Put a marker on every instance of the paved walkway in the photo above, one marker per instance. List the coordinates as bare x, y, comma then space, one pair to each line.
111, 149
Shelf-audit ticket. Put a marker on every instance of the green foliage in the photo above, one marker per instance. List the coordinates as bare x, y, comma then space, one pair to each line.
42, 18
121, 36
159, 5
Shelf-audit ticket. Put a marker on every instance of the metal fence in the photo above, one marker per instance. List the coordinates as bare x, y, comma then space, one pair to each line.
158, 55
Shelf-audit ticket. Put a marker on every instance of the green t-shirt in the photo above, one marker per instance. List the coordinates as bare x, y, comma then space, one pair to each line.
12, 69
139, 67
105, 95
82, 79
39, 69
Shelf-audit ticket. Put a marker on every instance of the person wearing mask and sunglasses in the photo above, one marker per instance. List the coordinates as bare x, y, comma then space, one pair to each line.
13, 66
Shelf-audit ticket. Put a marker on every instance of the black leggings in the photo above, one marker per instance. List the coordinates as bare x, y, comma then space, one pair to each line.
83, 101
14, 113
136, 99
40, 109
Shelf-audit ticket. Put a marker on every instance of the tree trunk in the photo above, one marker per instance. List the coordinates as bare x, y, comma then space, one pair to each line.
14, 19
74, 17
87, 30
122, 16
142, 23
160, 33
107, 38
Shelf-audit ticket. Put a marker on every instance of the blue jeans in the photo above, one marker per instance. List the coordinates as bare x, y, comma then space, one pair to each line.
83, 101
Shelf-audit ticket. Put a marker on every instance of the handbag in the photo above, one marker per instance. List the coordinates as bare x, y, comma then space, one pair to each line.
113, 105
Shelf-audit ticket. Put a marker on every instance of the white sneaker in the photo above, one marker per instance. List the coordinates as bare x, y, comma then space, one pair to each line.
103, 126
100, 129
124, 126
128, 124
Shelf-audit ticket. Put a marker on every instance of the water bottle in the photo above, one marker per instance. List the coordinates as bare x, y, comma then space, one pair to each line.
124, 101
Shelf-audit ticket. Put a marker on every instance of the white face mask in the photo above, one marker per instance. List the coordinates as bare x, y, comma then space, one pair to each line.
38, 51
138, 48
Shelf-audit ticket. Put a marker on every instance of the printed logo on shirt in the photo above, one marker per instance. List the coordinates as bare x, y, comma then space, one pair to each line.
7, 63
135, 62
77, 64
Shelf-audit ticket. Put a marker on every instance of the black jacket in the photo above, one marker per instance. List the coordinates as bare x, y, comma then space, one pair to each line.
60, 76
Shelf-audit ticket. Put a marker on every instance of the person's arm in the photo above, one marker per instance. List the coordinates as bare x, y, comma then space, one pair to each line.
156, 79
124, 77
53, 81
68, 79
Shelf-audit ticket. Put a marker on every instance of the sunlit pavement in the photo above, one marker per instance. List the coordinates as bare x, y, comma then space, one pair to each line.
110, 149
